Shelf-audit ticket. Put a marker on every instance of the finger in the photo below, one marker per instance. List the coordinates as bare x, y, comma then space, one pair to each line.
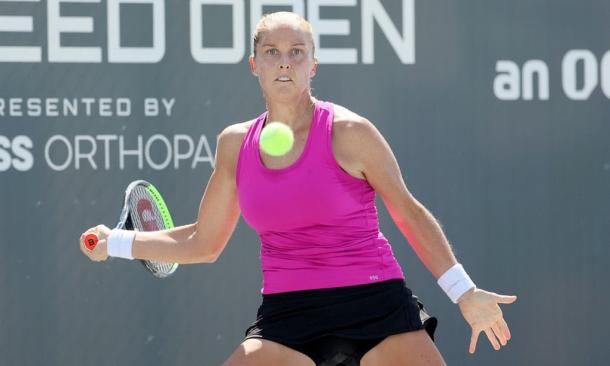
473, 340
492, 339
499, 334
504, 299
504, 328
82, 244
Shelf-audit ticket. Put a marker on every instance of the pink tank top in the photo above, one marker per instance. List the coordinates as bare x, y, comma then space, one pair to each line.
317, 224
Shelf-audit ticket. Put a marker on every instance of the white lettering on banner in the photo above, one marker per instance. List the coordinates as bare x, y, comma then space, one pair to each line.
178, 155
331, 27
157, 152
168, 149
404, 45
200, 157
580, 76
605, 67
508, 82
118, 54
82, 107
372, 12
19, 147
221, 55
78, 155
137, 152
569, 74
15, 107
539, 69
58, 25
106, 140
12, 23
151, 106
168, 104
5, 157
47, 152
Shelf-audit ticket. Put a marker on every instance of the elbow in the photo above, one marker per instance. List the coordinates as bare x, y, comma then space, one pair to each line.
206, 256
206, 248
204, 253
197, 251
405, 211
211, 258
203, 258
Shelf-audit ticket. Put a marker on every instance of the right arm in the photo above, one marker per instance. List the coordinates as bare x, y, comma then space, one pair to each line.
204, 240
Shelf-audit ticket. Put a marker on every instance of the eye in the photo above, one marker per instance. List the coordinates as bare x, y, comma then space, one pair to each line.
271, 51
296, 51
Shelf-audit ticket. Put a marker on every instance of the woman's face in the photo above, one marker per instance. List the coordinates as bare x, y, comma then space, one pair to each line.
284, 62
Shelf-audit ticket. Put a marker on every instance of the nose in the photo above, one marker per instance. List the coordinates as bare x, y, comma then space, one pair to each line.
284, 63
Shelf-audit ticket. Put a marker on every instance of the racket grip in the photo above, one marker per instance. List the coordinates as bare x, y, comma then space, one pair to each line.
91, 241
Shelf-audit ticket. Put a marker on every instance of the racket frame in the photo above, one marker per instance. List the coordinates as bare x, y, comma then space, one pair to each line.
125, 222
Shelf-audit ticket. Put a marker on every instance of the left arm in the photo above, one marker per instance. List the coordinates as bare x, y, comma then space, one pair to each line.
360, 143
370, 154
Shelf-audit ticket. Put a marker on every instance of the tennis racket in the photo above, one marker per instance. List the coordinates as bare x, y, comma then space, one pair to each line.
143, 210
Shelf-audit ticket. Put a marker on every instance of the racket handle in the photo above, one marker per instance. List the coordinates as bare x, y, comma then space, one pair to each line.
91, 241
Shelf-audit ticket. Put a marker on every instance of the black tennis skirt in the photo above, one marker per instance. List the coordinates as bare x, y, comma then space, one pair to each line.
358, 312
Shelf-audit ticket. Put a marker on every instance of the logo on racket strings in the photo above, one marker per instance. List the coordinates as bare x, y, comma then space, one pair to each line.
147, 216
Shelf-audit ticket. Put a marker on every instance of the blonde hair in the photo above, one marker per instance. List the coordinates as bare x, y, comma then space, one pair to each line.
263, 25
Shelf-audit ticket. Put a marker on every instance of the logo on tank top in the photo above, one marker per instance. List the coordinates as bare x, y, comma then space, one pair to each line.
373, 277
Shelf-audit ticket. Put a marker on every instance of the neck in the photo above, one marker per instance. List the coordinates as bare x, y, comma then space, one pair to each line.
296, 114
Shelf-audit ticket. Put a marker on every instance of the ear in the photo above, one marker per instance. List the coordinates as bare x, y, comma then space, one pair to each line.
252, 65
314, 69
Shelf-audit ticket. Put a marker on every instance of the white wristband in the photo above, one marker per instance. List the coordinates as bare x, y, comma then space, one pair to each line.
455, 282
119, 243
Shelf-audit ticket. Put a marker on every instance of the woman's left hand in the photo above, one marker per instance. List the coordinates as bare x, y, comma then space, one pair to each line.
480, 309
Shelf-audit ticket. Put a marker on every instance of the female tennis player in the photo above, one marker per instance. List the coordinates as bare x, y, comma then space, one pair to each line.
333, 292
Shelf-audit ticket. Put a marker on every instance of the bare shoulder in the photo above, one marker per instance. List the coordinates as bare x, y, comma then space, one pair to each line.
348, 125
235, 132
229, 141
353, 132
353, 138
346, 116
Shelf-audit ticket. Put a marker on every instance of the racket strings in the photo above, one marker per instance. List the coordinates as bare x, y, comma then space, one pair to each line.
146, 215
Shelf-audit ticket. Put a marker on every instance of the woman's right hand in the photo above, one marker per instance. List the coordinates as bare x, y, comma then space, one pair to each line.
100, 252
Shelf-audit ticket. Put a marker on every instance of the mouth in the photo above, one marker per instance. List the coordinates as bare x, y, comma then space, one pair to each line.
283, 79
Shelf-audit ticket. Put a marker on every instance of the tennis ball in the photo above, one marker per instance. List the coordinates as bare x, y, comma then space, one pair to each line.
276, 139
